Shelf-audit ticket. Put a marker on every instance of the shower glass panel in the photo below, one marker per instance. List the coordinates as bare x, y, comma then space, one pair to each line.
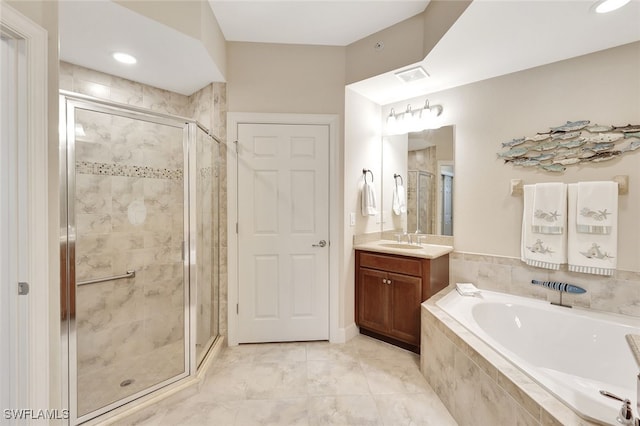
207, 242
126, 192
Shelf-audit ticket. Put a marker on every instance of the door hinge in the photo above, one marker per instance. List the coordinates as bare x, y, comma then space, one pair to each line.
236, 144
23, 288
237, 308
236, 227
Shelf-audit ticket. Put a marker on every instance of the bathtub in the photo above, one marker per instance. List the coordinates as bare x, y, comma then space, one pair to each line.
572, 353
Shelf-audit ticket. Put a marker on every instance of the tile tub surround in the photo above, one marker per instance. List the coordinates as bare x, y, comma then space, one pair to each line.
476, 384
619, 294
361, 382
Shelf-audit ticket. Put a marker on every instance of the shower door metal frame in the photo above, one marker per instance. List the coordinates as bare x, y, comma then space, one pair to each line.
69, 102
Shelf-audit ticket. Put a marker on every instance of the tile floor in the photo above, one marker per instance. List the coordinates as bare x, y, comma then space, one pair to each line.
361, 382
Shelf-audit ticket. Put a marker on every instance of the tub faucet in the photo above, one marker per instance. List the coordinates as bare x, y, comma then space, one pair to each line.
625, 416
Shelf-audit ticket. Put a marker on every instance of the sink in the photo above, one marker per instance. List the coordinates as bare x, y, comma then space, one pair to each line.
401, 246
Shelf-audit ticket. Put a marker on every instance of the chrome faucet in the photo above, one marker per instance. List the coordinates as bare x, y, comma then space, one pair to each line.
625, 415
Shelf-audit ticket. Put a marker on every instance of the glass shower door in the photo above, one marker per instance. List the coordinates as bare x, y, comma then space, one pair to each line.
207, 242
126, 212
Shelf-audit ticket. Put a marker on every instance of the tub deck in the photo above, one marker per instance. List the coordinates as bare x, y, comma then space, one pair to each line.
478, 385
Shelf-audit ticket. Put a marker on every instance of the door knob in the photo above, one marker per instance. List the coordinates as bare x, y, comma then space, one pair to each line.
321, 243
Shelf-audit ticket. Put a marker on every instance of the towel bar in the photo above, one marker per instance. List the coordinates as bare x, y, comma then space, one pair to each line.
517, 186
129, 274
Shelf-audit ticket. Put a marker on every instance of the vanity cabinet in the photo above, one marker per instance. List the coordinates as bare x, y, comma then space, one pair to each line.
389, 291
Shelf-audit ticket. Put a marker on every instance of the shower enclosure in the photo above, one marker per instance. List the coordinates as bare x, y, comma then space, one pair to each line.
139, 251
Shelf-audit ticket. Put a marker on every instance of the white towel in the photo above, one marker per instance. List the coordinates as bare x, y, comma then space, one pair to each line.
547, 251
549, 208
399, 200
467, 289
368, 202
597, 207
591, 253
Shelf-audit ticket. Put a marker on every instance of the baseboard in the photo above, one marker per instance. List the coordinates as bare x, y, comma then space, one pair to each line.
346, 334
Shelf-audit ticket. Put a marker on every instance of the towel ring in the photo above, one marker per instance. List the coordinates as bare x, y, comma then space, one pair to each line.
364, 172
396, 176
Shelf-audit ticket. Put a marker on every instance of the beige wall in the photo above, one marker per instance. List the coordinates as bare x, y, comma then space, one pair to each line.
45, 14
603, 87
285, 78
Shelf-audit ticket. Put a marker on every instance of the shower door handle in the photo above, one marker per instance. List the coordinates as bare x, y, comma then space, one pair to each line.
321, 243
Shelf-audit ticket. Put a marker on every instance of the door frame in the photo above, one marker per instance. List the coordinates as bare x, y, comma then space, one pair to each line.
234, 119
32, 313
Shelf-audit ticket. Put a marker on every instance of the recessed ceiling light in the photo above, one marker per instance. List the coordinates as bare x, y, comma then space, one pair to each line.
124, 58
604, 6
412, 74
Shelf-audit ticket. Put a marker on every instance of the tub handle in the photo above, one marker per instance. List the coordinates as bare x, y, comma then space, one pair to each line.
610, 395
625, 416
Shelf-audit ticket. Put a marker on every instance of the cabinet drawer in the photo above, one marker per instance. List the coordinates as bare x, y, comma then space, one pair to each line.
391, 263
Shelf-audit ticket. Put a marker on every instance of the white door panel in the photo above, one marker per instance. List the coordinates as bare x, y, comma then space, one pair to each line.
283, 205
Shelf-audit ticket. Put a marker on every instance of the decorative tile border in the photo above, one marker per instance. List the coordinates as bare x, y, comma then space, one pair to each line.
206, 172
110, 169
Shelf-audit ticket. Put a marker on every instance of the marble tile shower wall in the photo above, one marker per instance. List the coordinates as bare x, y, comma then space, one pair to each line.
208, 106
618, 294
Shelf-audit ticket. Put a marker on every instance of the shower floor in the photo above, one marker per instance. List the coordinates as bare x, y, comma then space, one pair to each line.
103, 387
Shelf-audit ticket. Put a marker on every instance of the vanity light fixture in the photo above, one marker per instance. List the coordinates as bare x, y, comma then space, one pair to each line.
413, 120
605, 6
124, 58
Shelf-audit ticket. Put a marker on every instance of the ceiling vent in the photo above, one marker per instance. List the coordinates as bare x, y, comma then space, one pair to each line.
412, 74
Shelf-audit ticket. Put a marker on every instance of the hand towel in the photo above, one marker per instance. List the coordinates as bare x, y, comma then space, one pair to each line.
467, 289
597, 207
547, 251
368, 201
399, 200
549, 208
590, 253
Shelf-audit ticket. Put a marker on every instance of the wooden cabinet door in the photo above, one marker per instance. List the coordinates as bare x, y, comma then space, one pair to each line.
406, 297
373, 300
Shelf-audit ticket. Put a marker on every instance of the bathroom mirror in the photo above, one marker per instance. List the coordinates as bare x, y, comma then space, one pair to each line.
422, 163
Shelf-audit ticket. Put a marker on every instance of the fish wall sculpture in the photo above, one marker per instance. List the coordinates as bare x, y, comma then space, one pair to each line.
575, 142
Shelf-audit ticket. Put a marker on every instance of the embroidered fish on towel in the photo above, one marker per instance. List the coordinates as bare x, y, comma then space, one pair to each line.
539, 247
600, 215
549, 217
595, 253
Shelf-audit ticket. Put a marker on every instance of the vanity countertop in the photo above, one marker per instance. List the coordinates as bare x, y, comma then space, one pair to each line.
424, 251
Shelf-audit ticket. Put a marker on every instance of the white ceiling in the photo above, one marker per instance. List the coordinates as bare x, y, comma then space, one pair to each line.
491, 38
494, 38
319, 22
90, 31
